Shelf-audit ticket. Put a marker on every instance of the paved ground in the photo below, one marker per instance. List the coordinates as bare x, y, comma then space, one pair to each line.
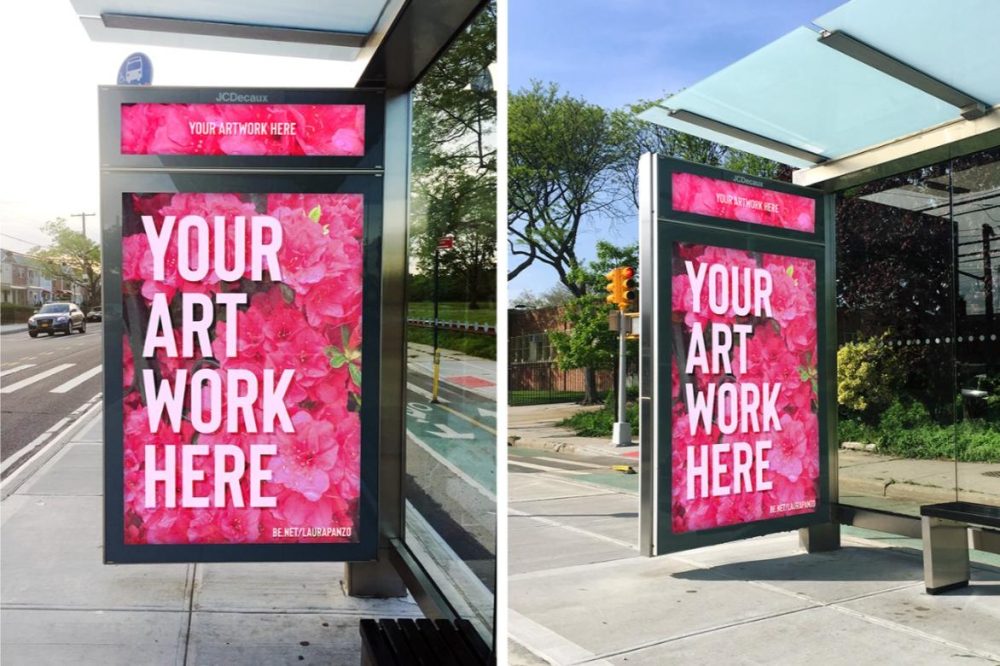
572, 531
61, 604
44, 383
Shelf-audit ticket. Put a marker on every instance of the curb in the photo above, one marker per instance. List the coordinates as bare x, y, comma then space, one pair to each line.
19, 330
48, 450
564, 447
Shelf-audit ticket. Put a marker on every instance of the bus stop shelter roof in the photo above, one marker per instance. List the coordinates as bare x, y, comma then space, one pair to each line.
396, 39
866, 74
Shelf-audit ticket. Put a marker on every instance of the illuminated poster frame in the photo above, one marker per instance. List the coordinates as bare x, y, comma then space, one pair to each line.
671, 517
256, 181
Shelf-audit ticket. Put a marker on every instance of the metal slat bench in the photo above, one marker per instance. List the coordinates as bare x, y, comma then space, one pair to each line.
945, 531
422, 642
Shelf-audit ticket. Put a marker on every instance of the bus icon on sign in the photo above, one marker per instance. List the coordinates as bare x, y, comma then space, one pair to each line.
136, 70
133, 70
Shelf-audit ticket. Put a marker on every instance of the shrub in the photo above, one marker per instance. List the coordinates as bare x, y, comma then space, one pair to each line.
15, 314
868, 377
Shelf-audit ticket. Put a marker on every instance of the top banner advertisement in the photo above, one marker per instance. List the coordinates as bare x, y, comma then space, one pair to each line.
153, 127
741, 202
243, 129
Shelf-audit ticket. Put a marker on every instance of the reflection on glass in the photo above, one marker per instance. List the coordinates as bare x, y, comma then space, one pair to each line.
451, 340
918, 368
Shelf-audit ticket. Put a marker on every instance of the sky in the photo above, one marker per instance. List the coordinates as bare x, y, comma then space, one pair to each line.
616, 53
51, 70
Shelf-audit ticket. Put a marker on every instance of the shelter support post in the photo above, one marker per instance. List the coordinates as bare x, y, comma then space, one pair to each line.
380, 578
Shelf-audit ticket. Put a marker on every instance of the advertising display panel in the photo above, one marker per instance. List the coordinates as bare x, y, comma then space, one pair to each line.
241, 363
741, 400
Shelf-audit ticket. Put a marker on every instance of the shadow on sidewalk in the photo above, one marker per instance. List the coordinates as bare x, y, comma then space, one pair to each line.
847, 564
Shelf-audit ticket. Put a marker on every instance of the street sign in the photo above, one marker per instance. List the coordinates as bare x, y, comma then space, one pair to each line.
136, 70
241, 382
737, 357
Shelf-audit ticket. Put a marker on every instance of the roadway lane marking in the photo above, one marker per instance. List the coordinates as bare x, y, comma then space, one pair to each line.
30, 447
17, 369
36, 378
545, 468
472, 483
73, 383
572, 462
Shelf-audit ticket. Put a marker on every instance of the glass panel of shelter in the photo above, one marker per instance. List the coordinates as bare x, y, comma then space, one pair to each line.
897, 342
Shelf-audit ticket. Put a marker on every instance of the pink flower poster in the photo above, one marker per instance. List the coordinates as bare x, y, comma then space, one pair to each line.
243, 129
242, 367
745, 427
741, 202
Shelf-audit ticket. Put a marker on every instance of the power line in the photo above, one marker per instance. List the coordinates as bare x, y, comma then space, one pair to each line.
20, 239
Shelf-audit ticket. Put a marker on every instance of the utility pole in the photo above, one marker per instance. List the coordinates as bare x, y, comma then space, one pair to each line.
83, 217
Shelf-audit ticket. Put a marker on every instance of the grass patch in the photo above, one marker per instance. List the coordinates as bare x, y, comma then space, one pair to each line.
542, 397
483, 346
452, 311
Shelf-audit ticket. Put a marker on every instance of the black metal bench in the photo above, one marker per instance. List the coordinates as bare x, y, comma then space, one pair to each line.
425, 642
945, 531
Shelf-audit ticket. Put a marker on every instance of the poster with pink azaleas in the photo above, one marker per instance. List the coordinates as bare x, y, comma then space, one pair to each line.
744, 407
243, 129
241, 379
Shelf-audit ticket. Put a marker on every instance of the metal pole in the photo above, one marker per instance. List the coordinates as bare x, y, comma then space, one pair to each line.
437, 354
83, 217
622, 435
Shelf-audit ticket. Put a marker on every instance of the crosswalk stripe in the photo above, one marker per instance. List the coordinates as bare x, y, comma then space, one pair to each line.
17, 369
36, 378
571, 462
544, 468
73, 383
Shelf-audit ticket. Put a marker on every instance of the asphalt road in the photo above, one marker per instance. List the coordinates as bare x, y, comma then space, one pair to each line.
42, 382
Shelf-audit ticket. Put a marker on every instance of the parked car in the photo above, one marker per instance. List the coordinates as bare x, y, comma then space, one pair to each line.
54, 317
94, 314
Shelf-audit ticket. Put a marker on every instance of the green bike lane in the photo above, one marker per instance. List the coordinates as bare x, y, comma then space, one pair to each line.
459, 430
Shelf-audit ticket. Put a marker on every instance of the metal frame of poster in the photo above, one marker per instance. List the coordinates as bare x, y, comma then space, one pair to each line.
248, 186
664, 230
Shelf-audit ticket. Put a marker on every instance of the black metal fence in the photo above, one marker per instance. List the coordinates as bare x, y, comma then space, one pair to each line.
540, 383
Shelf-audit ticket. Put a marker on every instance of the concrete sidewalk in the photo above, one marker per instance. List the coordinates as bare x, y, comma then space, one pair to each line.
6, 329
580, 594
536, 427
62, 605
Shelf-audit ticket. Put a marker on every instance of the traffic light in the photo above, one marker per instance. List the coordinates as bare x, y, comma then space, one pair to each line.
621, 287
631, 291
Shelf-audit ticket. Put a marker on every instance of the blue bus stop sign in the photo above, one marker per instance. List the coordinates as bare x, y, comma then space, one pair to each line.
136, 70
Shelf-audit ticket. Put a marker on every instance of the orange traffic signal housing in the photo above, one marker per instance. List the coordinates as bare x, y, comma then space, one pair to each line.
620, 286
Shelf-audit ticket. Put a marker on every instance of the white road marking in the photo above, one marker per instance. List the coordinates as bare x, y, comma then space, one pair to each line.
447, 432
36, 378
17, 369
545, 468
30, 448
572, 462
73, 383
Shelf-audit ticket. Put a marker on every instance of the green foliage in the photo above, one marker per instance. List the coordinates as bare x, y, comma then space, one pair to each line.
15, 314
483, 346
72, 257
600, 422
563, 156
450, 311
868, 377
906, 429
454, 165
530, 397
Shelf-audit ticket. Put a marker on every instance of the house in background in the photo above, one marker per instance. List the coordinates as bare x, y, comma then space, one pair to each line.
23, 282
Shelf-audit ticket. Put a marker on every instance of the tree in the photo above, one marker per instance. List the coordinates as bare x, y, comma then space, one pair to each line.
454, 160
562, 156
71, 257
589, 344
